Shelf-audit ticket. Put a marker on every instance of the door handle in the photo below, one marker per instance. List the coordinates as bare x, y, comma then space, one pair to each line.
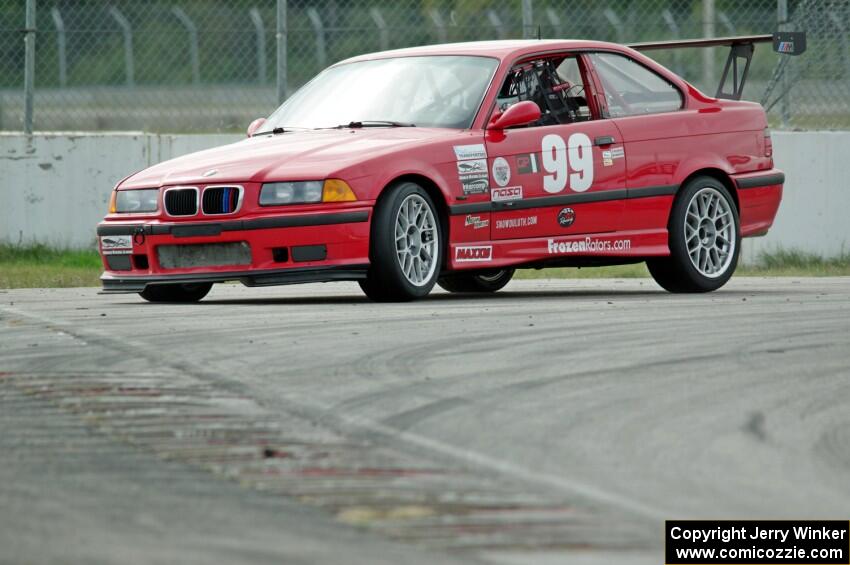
604, 140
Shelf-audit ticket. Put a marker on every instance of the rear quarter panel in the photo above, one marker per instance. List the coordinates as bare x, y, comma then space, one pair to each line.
667, 149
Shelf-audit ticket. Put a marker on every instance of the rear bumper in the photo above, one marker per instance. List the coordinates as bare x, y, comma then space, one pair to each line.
759, 195
285, 249
773, 177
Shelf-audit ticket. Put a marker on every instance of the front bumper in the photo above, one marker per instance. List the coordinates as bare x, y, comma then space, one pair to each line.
284, 249
116, 284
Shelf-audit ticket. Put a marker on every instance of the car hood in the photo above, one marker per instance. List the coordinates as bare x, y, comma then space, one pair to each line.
289, 156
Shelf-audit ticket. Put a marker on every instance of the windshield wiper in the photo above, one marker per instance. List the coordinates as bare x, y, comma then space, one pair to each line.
375, 124
279, 130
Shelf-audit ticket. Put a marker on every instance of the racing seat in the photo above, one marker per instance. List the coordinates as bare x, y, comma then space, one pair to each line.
562, 107
540, 82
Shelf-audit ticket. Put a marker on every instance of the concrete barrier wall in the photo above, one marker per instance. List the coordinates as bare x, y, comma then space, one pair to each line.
813, 216
55, 187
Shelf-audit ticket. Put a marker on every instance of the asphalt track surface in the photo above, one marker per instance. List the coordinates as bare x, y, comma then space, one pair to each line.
557, 421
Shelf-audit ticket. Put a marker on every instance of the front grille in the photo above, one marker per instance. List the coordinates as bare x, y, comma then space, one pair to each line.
203, 255
181, 202
221, 200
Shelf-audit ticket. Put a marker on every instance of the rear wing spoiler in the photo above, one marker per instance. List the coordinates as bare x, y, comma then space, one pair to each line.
741, 50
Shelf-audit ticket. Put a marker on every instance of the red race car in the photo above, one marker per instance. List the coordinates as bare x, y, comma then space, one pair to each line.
456, 165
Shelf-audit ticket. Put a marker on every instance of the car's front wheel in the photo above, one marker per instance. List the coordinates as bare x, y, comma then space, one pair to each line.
406, 245
704, 237
490, 280
175, 292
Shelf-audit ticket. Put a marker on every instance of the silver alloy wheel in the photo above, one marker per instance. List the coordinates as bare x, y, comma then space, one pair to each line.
710, 233
417, 240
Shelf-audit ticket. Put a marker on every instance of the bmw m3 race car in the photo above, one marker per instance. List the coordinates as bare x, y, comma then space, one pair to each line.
457, 164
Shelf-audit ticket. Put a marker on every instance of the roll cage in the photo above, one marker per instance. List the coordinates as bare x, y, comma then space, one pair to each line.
538, 79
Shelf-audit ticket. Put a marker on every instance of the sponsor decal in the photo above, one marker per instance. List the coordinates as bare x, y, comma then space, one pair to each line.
587, 245
506, 194
566, 217
471, 167
479, 186
465, 152
473, 253
116, 244
476, 222
618, 153
607, 161
474, 169
501, 171
511, 223
526, 164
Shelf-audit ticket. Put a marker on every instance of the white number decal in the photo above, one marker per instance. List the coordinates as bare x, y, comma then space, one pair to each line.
581, 161
555, 153
555, 162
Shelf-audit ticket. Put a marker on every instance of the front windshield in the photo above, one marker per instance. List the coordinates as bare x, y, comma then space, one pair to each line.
433, 91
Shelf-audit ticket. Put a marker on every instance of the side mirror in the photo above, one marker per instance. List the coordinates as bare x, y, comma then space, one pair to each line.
519, 114
255, 125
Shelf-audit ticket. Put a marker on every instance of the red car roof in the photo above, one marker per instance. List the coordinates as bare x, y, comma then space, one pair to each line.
509, 48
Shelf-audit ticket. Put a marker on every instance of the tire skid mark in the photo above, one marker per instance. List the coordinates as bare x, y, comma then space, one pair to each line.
833, 446
405, 498
328, 416
577, 491
391, 360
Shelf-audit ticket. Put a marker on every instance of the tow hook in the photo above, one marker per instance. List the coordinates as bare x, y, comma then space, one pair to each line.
139, 235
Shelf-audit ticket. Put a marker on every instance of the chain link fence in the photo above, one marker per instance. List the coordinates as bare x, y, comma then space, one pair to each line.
813, 91
213, 65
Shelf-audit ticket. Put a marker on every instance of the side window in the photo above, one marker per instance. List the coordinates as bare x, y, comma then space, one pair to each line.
633, 90
556, 85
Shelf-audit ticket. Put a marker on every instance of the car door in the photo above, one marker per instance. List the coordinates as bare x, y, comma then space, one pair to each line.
564, 175
659, 136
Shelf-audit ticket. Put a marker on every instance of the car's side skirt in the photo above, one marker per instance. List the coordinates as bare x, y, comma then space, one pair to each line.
615, 246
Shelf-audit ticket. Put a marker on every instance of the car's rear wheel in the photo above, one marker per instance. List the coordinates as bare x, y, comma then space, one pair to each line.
406, 245
175, 292
704, 238
490, 280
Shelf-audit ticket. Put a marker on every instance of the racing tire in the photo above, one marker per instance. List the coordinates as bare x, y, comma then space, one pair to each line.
405, 247
704, 237
175, 293
490, 280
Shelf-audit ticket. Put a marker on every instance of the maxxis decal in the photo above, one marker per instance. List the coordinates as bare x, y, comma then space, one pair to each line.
473, 253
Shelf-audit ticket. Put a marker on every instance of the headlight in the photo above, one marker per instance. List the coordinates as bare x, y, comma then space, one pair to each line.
305, 192
134, 201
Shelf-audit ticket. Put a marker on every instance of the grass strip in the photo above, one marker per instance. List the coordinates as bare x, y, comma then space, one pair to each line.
40, 266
